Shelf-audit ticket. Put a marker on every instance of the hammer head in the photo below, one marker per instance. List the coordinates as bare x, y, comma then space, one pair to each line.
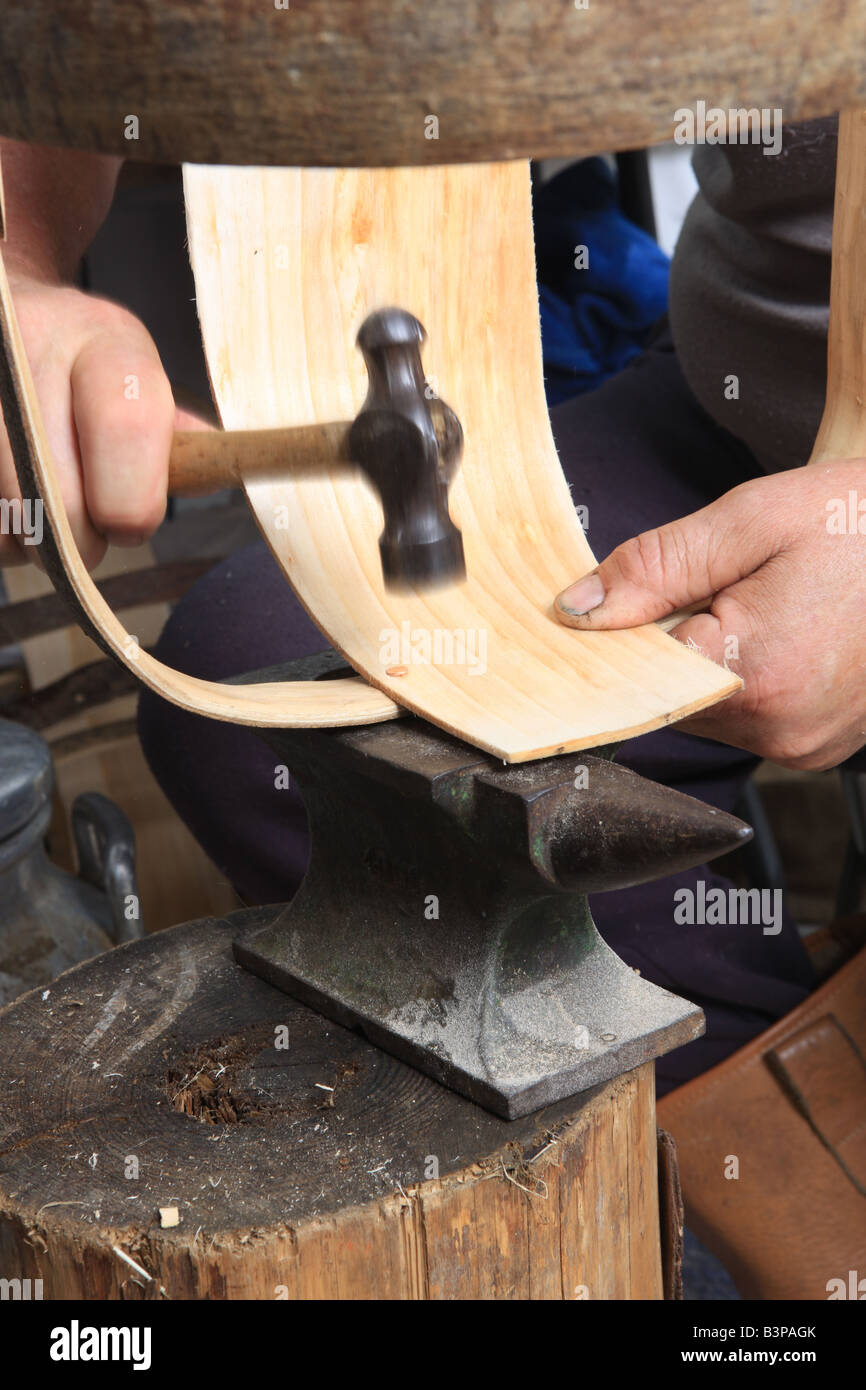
409, 447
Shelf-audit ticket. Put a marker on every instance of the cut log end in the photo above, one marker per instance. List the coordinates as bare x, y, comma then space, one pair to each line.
302, 1161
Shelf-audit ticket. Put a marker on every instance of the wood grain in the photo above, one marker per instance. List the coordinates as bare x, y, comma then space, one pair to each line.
280, 343
288, 263
842, 434
276, 704
353, 82
294, 1191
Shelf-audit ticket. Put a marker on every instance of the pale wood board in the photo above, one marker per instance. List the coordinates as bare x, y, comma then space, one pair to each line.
288, 263
277, 704
456, 245
843, 425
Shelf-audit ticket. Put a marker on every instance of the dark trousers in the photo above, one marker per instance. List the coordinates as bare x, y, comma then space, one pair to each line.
638, 452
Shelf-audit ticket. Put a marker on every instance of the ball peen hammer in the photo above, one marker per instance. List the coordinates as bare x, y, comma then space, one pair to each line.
409, 448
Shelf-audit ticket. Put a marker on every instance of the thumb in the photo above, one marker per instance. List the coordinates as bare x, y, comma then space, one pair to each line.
683, 564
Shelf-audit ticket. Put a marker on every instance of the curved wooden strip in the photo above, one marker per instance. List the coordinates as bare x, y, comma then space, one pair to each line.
299, 704
355, 82
287, 265
842, 434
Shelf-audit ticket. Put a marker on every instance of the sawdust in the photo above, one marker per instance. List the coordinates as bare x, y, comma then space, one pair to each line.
209, 1096
207, 1088
214, 1085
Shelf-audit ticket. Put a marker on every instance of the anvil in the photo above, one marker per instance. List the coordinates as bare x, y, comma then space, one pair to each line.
444, 912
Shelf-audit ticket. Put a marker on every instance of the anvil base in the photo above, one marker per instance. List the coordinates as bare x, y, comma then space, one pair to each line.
485, 1027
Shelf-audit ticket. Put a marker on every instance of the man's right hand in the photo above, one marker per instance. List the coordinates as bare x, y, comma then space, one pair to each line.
103, 395
108, 413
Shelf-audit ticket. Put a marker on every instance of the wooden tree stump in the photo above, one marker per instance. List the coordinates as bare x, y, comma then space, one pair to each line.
303, 1162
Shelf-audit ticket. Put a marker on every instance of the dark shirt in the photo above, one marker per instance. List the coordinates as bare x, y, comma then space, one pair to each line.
750, 288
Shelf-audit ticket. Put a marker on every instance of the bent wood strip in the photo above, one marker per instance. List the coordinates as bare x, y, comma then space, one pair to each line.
277, 704
346, 82
519, 729
842, 434
287, 264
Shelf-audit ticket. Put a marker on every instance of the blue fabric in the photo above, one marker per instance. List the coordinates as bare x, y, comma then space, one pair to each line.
593, 320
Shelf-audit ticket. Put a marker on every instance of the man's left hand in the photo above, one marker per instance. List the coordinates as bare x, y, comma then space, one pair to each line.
781, 563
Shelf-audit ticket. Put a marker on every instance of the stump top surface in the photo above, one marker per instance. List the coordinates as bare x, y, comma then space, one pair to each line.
164, 1051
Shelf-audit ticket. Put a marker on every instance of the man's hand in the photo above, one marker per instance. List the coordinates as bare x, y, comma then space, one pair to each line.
103, 395
108, 413
781, 562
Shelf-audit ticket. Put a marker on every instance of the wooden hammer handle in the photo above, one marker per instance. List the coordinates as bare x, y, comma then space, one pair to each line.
203, 461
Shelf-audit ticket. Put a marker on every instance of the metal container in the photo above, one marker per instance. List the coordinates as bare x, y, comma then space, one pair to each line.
50, 919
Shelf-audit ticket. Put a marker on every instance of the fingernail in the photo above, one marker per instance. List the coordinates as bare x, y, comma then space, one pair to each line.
582, 597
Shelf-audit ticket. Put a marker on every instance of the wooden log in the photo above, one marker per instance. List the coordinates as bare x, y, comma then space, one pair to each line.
332, 82
150, 1079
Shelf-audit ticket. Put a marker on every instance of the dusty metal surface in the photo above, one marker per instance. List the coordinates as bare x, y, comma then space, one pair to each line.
444, 911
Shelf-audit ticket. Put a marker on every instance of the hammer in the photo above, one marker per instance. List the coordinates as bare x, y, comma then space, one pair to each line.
408, 446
